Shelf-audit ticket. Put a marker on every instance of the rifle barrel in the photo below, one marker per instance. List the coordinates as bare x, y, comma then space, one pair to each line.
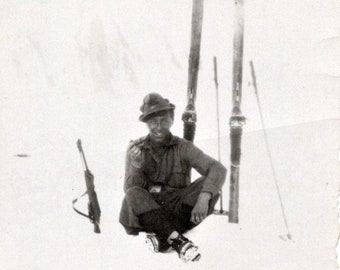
82, 155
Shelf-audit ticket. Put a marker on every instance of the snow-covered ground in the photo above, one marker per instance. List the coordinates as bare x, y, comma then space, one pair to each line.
40, 229
79, 69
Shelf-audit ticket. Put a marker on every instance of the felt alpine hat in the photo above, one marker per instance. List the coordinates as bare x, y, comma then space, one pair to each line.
153, 103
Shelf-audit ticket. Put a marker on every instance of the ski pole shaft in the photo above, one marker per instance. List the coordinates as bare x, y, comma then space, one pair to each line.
218, 124
268, 149
217, 110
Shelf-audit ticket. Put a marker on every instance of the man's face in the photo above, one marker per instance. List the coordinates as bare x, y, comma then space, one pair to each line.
159, 127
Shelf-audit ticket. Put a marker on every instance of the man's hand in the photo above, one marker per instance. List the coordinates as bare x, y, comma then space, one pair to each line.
200, 210
135, 155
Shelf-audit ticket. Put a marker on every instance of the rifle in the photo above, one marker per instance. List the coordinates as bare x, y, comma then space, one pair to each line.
189, 116
93, 205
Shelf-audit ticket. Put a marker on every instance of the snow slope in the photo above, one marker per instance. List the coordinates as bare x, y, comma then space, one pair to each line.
41, 230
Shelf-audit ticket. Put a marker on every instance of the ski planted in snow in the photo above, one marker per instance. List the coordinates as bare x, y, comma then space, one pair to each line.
189, 116
237, 120
93, 204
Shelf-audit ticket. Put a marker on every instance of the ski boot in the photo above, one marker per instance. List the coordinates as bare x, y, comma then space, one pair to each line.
155, 243
187, 250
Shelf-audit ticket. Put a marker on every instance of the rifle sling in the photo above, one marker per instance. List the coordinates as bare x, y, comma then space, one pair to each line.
79, 212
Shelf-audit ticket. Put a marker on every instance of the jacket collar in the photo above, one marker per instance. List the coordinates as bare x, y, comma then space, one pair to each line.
172, 140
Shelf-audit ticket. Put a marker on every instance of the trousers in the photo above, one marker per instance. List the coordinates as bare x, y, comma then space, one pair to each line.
175, 204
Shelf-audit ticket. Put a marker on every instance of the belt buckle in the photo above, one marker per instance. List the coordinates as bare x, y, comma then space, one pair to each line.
155, 189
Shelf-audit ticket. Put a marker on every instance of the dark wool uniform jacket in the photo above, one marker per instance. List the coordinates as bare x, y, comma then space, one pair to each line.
172, 166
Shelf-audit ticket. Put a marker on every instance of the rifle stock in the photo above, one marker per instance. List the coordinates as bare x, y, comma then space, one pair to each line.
93, 205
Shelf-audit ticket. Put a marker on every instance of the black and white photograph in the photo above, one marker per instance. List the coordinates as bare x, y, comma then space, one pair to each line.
183, 134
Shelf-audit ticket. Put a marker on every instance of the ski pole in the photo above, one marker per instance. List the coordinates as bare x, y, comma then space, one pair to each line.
221, 211
288, 235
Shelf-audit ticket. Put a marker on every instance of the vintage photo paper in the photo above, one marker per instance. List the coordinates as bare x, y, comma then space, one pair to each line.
80, 69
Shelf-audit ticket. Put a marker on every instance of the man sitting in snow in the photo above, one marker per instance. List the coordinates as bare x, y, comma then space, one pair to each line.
159, 196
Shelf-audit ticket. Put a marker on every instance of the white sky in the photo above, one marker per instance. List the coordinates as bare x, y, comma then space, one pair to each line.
131, 48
